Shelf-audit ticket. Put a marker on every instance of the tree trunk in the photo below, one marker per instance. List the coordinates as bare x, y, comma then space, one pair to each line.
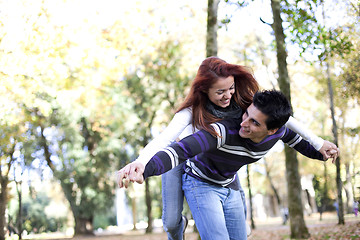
149, 229
133, 207
19, 219
277, 196
83, 226
3, 202
336, 142
325, 195
297, 223
296, 213
348, 190
250, 197
212, 26
4, 181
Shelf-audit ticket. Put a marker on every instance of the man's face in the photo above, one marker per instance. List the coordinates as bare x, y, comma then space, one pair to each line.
253, 125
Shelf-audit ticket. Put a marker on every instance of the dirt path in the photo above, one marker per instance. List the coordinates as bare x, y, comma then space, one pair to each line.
267, 230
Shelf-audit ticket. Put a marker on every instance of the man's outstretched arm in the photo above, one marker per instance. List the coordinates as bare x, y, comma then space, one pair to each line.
167, 158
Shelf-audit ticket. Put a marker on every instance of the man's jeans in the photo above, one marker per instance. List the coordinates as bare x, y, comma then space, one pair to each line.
173, 199
217, 211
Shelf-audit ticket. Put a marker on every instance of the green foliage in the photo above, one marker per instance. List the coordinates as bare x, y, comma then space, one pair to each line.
34, 218
104, 219
156, 85
351, 75
310, 34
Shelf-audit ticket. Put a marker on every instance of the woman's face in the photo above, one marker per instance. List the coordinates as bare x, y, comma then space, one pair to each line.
221, 91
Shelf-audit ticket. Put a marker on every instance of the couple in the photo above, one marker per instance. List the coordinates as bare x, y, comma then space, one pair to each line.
217, 151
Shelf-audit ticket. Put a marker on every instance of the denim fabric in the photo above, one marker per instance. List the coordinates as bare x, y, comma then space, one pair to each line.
216, 210
173, 199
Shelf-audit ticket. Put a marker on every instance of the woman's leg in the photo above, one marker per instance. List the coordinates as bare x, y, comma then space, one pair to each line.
173, 199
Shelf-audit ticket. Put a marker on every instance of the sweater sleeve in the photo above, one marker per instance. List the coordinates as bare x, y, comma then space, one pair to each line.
180, 121
178, 152
296, 126
295, 141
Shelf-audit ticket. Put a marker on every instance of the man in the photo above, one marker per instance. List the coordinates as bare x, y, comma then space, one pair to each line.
212, 162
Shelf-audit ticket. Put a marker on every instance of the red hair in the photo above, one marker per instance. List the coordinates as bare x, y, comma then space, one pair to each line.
210, 70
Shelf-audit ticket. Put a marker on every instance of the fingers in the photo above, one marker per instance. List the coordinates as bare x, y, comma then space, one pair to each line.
123, 179
133, 172
120, 177
139, 177
329, 150
136, 173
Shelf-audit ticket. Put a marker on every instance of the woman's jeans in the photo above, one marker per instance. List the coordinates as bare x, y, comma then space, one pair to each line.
173, 199
215, 209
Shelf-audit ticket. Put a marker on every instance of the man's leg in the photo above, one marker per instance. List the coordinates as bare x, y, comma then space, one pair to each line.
206, 205
235, 216
173, 199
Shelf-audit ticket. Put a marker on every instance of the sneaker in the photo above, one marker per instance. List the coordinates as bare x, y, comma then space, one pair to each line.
185, 220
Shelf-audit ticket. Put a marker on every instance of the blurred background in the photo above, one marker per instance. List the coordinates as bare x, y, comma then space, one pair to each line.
86, 84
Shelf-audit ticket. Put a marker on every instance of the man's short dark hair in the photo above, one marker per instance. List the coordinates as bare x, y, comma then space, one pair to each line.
275, 105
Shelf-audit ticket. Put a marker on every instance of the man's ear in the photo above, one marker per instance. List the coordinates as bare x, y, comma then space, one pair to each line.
272, 131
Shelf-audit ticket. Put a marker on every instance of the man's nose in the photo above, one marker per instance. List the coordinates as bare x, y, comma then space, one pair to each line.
244, 122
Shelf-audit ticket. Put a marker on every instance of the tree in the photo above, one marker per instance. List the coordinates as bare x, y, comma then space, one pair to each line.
13, 131
154, 90
297, 223
313, 33
212, 27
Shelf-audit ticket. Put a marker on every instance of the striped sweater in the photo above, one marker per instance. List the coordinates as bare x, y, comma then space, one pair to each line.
217, 159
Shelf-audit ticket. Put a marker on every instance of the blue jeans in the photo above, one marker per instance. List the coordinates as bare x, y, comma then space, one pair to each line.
216, 210
173, 199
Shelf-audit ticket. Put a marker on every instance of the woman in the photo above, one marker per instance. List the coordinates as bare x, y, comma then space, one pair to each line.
219, 90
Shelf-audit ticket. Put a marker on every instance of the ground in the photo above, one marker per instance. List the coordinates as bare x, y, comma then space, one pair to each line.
269, 229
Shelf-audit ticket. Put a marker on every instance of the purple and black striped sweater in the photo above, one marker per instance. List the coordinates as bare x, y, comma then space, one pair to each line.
217, 159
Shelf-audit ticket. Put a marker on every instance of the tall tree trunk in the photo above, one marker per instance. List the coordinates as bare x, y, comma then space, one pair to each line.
148, 198
212, 26
297, 223
4, 181
348, 189
149, 229
133, 207
250, 197
3, 202
19, 219
272, 185
325, 194
341, 219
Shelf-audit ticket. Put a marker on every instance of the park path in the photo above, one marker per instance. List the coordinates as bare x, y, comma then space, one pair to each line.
270, 229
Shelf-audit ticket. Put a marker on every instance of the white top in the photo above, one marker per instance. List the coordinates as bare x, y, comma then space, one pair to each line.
180, 127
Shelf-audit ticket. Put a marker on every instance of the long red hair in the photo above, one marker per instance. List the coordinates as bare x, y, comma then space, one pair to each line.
210, 70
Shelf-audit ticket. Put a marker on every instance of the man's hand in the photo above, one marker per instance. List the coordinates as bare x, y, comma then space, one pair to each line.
133, 172
329, 150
